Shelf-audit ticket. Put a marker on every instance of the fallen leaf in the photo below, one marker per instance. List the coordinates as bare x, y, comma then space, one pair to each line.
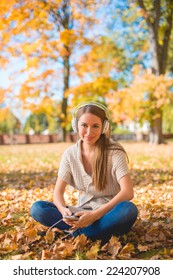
32, 234
114, 246
126, 251
142, 248
92, 254
80, 241
50, 236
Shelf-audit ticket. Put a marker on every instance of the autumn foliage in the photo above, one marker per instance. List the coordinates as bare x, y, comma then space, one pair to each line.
28, 174
66, 51
145, 99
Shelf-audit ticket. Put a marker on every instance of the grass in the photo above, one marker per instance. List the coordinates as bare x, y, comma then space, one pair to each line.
28, 173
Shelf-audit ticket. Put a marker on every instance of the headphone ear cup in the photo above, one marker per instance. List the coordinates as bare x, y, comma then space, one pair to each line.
105, 127
74, 125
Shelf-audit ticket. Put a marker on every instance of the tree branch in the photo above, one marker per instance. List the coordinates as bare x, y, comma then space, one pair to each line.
146, 15
156, 16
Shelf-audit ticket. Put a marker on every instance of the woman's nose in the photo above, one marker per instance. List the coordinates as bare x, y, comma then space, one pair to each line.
89, 130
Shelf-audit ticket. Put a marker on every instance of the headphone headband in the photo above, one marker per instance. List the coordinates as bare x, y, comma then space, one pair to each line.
83, 104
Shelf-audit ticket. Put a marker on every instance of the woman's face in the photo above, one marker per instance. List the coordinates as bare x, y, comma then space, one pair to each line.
89, 128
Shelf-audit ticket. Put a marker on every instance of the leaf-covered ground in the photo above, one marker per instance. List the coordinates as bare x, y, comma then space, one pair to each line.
28, 173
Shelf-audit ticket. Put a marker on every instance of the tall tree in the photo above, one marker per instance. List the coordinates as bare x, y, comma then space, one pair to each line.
158, 15
151, 22
46, 34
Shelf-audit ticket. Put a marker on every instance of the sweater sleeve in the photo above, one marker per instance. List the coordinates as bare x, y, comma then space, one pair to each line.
120, 166
64, 171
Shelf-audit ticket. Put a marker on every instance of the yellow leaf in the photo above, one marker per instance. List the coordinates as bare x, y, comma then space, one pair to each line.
67, 251
126, 251
31, 183
32, 235
3, 215
80, 241
49, 237
93, 252
8, 245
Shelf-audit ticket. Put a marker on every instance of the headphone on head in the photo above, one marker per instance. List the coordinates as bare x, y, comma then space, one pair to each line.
106, 124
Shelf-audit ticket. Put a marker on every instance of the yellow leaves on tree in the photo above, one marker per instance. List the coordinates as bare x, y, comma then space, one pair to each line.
32, 62
2, 94
28, 48
98, 87
121, 104
155, 92
68, 37
104, 57
143, 100
94, 70
5, 6
48, 106
41, 34
156, 87
29, 91
3, 114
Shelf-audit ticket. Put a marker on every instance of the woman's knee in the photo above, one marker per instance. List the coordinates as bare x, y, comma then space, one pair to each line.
133, 209
36, 208
128, 208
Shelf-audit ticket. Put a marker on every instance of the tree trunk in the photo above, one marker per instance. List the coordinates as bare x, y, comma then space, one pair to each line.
155, 135
154, 51
66, 86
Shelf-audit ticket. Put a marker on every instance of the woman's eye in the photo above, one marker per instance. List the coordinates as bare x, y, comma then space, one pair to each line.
85, 125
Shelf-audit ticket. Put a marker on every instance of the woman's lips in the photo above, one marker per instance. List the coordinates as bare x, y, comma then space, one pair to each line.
89, 138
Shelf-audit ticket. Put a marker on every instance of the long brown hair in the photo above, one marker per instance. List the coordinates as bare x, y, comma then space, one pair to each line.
99, 165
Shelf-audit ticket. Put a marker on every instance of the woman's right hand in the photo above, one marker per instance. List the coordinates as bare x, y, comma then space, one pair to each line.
65, 211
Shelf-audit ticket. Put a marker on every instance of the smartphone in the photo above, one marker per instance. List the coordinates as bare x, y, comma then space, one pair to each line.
71, 218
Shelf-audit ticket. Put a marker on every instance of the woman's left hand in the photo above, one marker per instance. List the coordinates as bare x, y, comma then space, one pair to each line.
86, 218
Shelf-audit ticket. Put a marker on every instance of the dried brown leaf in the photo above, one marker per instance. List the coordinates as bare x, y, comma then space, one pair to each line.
80, 241
50, 236
92, 254
126, 251
114, 246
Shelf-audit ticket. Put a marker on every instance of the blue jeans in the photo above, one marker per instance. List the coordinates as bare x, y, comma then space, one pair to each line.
117, 222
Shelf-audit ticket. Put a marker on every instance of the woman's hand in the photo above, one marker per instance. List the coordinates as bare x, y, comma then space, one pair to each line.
65, 211
86, 218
